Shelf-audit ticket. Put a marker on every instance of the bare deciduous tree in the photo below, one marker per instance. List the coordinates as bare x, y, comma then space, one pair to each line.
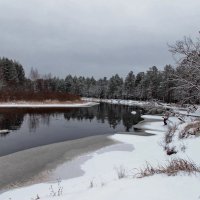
187, 76
34, 74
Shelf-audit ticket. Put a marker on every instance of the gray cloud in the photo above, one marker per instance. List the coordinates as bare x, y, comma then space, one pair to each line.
94, 37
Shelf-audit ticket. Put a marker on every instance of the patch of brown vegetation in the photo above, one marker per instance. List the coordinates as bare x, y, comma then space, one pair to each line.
30, 96
172, 168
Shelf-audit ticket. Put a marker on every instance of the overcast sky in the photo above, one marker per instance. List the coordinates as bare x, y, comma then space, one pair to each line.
94, 37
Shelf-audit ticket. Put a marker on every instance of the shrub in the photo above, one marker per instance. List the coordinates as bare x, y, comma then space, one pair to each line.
190, 129
170, 134
172, 168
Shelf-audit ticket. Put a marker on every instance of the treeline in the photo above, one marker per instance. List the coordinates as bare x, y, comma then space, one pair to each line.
14, 86
166, 85
152, 84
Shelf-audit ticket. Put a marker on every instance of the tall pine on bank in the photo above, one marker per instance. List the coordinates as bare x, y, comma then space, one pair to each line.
129, 86
11, 74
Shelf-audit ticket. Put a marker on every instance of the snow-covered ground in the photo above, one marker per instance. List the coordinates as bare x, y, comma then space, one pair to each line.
101, 173
195, 113
118, 101
46, 105
155, 123
178, 110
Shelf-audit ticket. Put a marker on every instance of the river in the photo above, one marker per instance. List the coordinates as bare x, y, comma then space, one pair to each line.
37, 127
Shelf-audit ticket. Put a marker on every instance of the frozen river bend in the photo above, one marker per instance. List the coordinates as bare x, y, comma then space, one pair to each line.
112, 172
36, 164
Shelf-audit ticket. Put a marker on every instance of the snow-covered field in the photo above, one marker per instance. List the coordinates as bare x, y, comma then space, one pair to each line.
112, 175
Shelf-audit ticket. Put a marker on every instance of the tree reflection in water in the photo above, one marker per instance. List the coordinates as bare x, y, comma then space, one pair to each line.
113, 114
12, 119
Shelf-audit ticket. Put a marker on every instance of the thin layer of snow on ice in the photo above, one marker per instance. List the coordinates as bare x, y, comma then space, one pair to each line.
4, 131
152, 132
155, 123
160, 118
133, 112
154, 126
152, 117
100, 179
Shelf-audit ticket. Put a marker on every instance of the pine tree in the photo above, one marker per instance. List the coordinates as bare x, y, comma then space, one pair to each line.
166, 85
129, 85
140, 86
115, 87
68, 83
20, 73
153, 82
101, 88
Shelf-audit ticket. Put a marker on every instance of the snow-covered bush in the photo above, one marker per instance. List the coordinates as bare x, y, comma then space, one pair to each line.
190, 129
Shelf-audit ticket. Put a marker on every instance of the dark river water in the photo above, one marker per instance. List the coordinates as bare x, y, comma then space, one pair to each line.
36, 127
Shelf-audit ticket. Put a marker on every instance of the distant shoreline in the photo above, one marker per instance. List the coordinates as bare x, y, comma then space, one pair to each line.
49, 104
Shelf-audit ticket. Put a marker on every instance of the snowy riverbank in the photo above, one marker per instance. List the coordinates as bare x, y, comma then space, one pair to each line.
113, 174
118, 101
47, 105
178, 109
33, 165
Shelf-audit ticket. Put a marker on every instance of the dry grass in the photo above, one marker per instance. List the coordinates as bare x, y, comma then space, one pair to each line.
170, 134
191, 129
58, 191
168, 137
91, 184
172, 168
121, 172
